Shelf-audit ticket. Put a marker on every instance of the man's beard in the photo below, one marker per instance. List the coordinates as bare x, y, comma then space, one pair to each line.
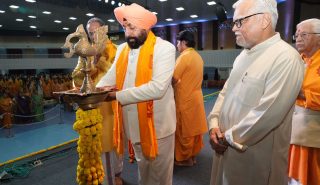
136, 42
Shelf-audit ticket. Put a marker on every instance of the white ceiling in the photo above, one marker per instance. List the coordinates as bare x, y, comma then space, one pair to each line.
63, 9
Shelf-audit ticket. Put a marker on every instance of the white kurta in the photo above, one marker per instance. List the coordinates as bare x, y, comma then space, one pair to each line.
254, 110
158, 89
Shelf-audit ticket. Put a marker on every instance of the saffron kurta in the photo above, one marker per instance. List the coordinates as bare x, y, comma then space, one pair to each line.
100, 68
47, 90
254, 109
304, 157
191, 117
6, 111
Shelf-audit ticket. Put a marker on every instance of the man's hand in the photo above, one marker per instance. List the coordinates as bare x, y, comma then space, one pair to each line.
111, 96
218, 141
107, 88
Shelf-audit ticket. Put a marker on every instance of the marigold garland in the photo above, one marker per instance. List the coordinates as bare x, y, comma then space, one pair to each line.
89, 125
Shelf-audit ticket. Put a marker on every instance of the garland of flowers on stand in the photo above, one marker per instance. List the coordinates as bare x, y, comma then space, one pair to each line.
89, 125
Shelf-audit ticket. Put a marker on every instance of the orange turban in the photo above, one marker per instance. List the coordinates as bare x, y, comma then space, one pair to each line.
136, 15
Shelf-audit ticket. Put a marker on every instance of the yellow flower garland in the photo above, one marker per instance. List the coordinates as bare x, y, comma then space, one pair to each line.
89, 125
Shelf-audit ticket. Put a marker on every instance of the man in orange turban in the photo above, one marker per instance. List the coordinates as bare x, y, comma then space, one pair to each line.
144, 110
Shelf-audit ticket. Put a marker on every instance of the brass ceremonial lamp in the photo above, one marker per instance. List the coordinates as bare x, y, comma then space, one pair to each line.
87, 97
88, 118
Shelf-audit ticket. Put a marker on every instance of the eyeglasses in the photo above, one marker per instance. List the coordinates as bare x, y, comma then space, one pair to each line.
302, 35
239, 22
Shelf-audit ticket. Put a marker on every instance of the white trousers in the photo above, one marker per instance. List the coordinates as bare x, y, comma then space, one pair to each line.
112, 165
293, 182
160, 170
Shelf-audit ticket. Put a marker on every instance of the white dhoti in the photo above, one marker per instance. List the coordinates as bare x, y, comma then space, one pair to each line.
112, 165
160, 170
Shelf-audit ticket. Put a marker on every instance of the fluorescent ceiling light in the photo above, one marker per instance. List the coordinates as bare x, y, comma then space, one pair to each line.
65, 28
113, 2
14, 6
33, 27
193, 16
169, 19
106, 1
210, 3
111, 20
162, 0
180, 8
46, 12
57, 21
0, 25
155, 13
186, 22
32, 16
73, 18
31, 1
90, 14
2, 11
19, 20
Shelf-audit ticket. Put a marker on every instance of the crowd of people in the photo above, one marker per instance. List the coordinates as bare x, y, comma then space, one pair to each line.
22, 97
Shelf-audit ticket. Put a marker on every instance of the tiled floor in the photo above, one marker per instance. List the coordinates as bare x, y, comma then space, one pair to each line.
28, 139
22, 140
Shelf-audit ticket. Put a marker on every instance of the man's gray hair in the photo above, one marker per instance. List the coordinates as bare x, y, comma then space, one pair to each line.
262, 6
96, 19
315, 24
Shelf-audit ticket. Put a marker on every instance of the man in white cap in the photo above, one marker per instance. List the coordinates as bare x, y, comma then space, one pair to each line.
250, 123
144, 108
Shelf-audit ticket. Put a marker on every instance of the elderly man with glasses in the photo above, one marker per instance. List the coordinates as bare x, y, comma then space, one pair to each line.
250, 123
304, 158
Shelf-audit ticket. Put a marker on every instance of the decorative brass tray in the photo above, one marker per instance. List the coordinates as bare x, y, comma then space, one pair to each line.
87, 101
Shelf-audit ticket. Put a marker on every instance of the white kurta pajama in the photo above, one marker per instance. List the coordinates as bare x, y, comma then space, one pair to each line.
254, 109
158, 89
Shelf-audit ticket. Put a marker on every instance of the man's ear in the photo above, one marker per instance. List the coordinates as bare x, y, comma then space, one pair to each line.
266, 20
184, 43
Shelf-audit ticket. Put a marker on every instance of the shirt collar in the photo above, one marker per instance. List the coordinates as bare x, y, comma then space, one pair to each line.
309, 61
265, 44
186, 50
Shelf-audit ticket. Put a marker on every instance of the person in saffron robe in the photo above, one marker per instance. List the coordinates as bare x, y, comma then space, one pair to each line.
144, 108
304, 158
6, 110
100, 65
47, 89
250, 123
191, 116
